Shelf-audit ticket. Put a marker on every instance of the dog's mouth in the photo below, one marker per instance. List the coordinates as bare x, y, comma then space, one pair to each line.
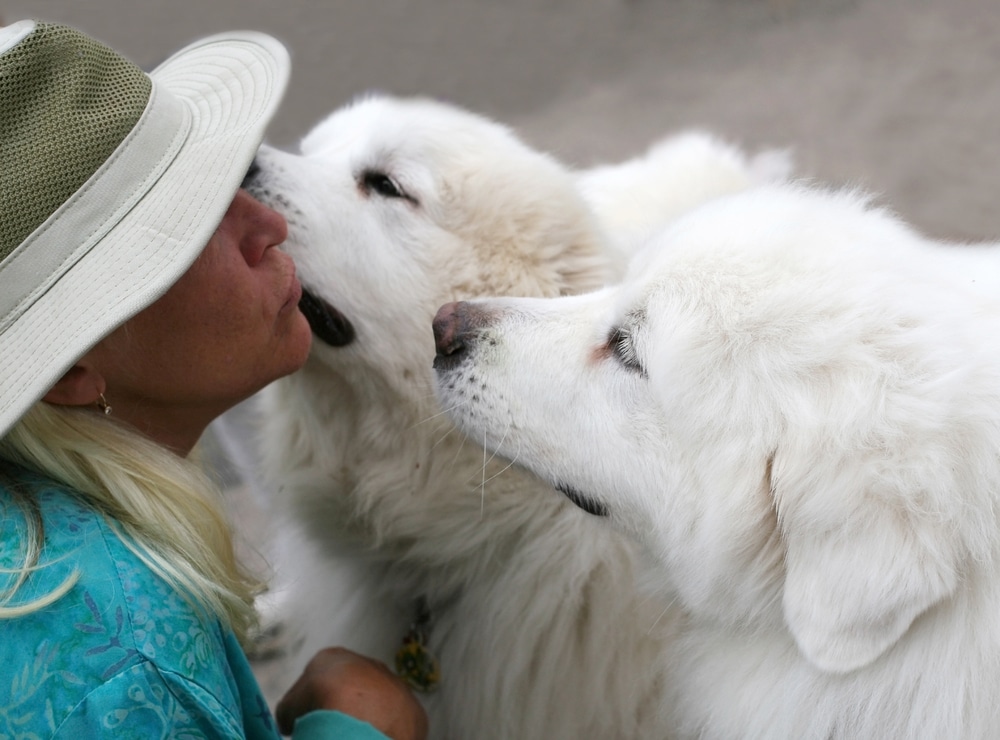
586, 503
327, 323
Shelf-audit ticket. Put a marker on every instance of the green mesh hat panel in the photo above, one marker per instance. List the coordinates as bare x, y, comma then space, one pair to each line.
66, 103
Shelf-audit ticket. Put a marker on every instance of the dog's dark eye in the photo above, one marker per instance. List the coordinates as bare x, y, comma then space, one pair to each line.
381, 183
620, 344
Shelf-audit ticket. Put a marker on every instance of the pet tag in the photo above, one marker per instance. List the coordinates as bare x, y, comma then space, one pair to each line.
416, 664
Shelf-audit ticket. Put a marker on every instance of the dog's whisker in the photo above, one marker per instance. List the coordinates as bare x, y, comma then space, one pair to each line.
482, 488
486, 462
448, 430
439, 414
500, 472
496, 448
656, 621
461, 446
443, 437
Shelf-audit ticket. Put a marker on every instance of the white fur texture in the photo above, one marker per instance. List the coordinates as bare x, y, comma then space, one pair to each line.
536, 618
793, 403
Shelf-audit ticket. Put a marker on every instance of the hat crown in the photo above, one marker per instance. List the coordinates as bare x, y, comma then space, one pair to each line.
66, 103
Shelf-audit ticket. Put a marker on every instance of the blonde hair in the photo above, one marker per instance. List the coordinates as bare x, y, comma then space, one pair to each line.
164, 508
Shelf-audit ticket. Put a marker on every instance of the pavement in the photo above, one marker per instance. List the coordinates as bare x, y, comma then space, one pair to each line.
901, 97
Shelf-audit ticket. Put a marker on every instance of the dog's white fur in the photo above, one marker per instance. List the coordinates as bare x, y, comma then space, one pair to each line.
793, 403
536, 620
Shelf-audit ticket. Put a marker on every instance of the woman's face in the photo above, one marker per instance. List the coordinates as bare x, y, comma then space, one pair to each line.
228, 327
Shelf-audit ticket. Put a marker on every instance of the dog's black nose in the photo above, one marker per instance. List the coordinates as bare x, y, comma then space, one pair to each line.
455, 327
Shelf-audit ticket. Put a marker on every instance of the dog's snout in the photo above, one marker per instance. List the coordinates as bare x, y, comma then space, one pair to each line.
455, 327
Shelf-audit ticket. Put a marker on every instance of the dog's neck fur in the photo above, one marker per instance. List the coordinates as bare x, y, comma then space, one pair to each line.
400, 498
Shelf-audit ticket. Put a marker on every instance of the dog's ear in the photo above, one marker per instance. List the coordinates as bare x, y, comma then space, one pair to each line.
859, 570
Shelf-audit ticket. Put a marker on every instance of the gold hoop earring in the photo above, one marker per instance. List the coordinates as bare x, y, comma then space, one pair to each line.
102, 404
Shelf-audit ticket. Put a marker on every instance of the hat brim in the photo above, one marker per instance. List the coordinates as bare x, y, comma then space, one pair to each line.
231, 84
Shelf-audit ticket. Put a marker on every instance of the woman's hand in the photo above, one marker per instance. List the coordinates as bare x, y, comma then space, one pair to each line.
364, 688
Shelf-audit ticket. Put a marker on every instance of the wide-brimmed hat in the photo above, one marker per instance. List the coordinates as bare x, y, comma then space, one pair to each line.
112, 181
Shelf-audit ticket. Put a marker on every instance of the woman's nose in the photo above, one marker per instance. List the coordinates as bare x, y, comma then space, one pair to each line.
262, 227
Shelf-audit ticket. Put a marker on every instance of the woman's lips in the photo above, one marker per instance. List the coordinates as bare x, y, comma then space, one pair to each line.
293, 296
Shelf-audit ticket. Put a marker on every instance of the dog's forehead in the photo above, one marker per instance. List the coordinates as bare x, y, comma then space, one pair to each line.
397, 125
640, 287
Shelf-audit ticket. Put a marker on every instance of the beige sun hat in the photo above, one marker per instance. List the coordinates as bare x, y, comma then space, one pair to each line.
112, 181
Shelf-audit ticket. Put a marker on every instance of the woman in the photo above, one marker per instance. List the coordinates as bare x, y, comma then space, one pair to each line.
141, 295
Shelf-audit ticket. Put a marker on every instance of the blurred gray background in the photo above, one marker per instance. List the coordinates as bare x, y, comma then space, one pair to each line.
899, 96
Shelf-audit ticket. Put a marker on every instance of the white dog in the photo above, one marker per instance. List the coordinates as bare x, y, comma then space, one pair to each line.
793, 403
395, 207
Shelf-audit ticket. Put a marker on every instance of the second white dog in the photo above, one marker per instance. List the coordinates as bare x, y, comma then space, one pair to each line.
793, 402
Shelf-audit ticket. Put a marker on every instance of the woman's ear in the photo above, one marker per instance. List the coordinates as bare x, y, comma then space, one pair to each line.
82, 385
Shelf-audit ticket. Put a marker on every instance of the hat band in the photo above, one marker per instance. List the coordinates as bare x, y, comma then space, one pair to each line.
80, 223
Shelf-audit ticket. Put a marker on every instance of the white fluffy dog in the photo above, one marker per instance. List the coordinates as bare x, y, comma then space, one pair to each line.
793, 403
395, 207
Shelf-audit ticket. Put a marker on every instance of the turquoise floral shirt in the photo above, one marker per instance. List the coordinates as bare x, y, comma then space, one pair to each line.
122, 654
